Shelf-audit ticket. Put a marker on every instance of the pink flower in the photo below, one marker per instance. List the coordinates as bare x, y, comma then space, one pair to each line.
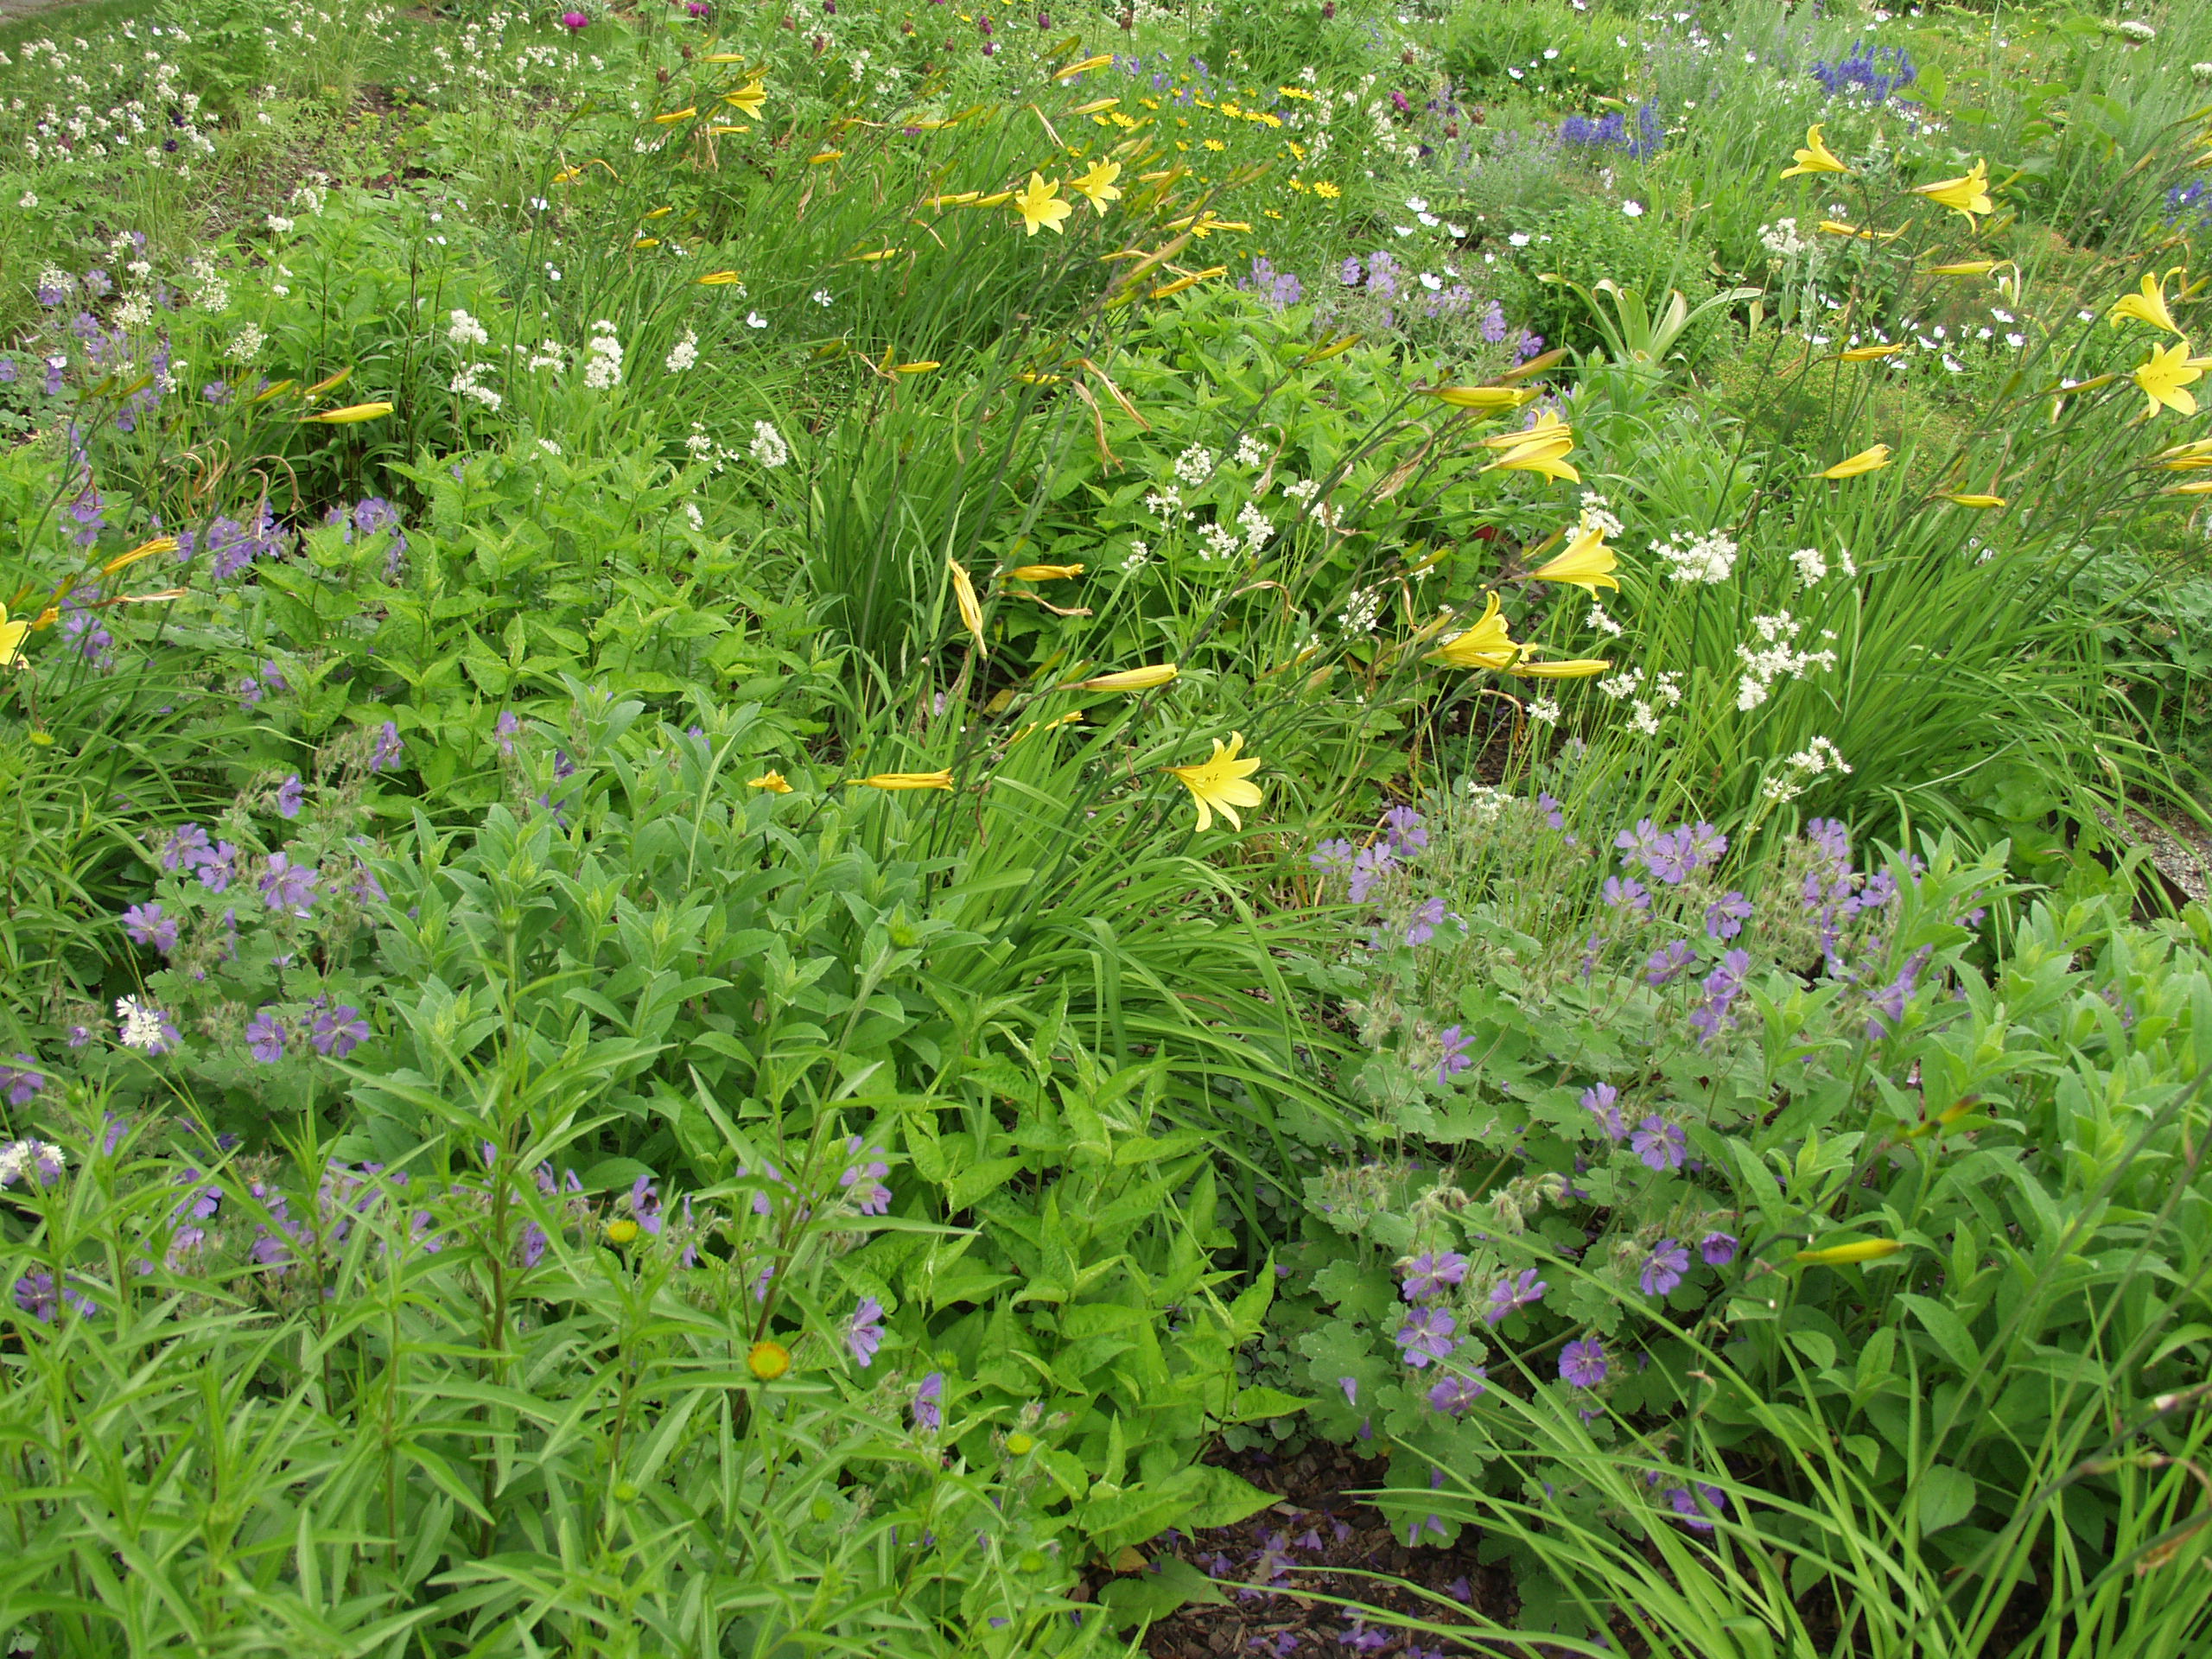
572, 21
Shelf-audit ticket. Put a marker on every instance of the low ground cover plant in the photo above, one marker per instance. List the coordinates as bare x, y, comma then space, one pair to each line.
801, 809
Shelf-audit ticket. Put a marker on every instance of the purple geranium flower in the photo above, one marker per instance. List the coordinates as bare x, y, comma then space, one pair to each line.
338, 1031
147, 925
23, 1080
863, 1180
1599, 1098
386, 753
264, 1038
1620, 890
1665, 964
290, 794
1659, 1144
928, 1406
288, 887
187, 845
1509, 1294
1428, 916
1719, 1250
1403, 826
864, 1331
1725, 916
1664, 1267
1456, 1057
1583, 1363
1452, 1395
1428, 1274
1426, 1336
216, 867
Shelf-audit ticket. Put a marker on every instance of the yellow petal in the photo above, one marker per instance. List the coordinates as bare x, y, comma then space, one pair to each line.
1814, 157
349, 415
1866, 460
971, 614
1983, 503
1866, 1249
1588, 563
1867, 353
1128, 679
906, 780
771, 781
1485, 397
1574, 668
1045, 572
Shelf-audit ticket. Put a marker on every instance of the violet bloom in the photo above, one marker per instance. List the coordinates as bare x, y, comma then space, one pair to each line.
1582, 1364
1428, 916
1351, 1386
1719, 1250
147, 925
1531, 344
1427, 1335
1833, 840
1889, 1001
35, 1294
1369, 866
290, 795
1664, 1267
386, 753
187, 845
1725, 916
1509, 1294
1659, 1144
22, 1081
504, 729
864, 1331
1429, 1272
216, 867
1350, 273
928, 1407
264, 1038
1452, 1395
863, 1180
1626, 891
338, 1031
1600, 1098
1684, 1503
1554, 814
1403, 826
574, 22
1456, 1057
289, 887
1666, 965
533, 1243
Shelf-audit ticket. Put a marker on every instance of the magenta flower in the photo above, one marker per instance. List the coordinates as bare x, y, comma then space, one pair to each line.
572, 21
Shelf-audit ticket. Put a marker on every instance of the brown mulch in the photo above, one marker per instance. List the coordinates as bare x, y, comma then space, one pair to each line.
1322, 1540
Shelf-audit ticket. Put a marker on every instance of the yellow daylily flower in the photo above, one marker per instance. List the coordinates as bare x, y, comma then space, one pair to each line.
1128, 679
349, 415
2149, 306
1866, 1249
1576, 667
1545, 455
1866, 460
773, 782
824, 157
906, 780
1095, 107
1098, 60
1967, 194
674, 116
964, 595
1867, 353
1547, 426
1097, 186
1045, 572
2163, 375
1814, 157
11, 638
1588, 563
1837, 227
1486, 645
1221, 783
719, 279
1980, 503
748, 98
1964, 268
1042, 204
143, 550
1485, 397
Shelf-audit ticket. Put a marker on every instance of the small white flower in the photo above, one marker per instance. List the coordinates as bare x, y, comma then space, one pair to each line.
1633, 209
462, 329
691, 512
754, 319
823, 296
1812, 568
768, 446
1519, 239
684, 353
28, 202
1139, 553
1543, 711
